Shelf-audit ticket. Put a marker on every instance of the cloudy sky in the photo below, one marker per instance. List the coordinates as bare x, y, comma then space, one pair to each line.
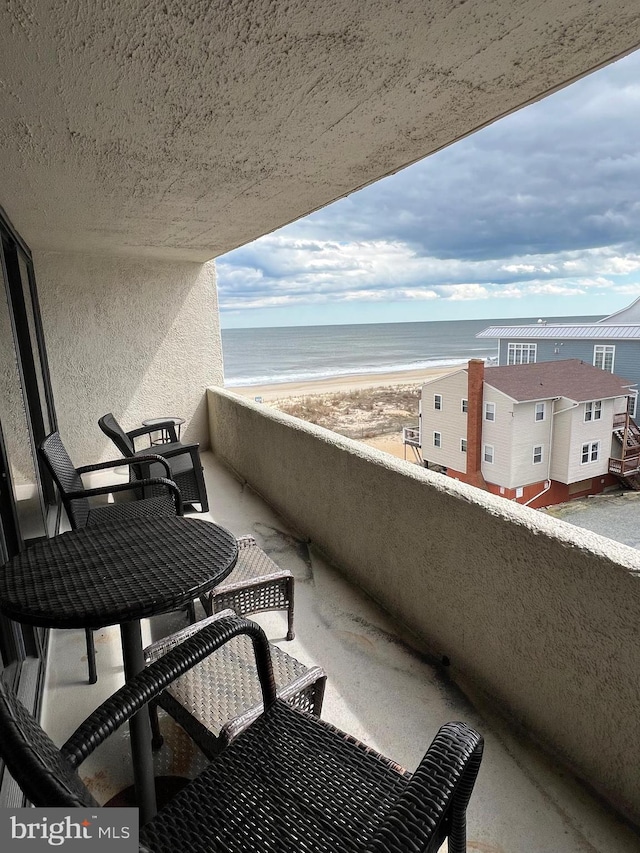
538, 214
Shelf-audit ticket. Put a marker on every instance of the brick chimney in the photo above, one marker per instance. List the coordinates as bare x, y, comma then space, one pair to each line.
475, 394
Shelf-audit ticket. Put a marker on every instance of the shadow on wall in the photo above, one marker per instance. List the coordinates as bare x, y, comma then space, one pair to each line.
139, 337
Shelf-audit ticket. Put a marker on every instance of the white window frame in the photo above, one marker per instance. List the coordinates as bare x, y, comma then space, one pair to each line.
600, 353
541, 408
464, 405
518, 353
632, 404
593, 411
488, 455
463, 445
590, 449
490, 409
540, 448
437, 439
437, 402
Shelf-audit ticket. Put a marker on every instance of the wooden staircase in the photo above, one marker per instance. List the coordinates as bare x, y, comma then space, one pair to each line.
627, 469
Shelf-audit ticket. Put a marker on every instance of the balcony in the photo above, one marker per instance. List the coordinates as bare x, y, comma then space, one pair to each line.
451, 577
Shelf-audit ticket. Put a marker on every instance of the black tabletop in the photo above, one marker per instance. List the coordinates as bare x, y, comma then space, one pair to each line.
109, 574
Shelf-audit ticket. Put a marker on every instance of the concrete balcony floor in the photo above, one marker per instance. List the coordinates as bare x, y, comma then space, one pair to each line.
379, 689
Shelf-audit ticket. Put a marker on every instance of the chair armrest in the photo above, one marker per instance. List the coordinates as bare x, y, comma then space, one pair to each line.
165, 644
434, 803
147, 430
126, 460
193, 449
129, 487
149, 683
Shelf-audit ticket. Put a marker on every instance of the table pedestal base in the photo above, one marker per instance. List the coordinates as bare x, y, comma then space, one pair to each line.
139, 725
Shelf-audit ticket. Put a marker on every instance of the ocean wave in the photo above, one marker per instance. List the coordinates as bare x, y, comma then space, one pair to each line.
372, 370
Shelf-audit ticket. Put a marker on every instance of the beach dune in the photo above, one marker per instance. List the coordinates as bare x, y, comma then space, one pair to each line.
348, 417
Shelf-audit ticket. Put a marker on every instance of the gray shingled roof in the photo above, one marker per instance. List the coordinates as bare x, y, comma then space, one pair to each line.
542, 330
544, 380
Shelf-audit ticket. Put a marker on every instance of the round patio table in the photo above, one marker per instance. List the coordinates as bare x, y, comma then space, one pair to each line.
164, 433
117, 574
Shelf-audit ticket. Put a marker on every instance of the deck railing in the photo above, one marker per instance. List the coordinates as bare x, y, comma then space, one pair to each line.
411, 435
536, 613
623, 467
620, 420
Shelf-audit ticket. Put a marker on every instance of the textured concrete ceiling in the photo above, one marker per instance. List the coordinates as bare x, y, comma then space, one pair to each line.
187, 128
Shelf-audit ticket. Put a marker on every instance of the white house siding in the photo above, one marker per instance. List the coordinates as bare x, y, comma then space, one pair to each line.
562, 425
499, 434
526, 434
450, 421
138, 337
582, 432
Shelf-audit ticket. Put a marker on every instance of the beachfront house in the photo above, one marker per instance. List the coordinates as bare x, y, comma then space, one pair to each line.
537, 434
143, 140
612, 343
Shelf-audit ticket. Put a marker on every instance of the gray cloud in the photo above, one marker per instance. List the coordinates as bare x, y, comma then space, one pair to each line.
558, 181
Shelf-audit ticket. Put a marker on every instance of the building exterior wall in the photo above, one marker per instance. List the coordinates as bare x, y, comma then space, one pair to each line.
516, 600
450, 421
528, 433
134, 336
630, 314
589, 431
499, 435
626, 357
545, 492
560, 457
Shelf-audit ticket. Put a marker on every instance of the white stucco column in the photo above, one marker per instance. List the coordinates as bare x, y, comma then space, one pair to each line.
139, 337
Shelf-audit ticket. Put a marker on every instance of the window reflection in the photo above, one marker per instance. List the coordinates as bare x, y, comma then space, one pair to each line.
15, 426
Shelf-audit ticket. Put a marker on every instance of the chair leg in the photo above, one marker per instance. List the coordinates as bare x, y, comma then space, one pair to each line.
198, 473
290, 631
191, 612
207, 604
156, 736
91, 656
204, 500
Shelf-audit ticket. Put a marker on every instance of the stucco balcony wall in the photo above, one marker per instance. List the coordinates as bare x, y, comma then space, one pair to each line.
540, 616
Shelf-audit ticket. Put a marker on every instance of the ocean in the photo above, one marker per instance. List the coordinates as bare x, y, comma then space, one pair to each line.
305, 353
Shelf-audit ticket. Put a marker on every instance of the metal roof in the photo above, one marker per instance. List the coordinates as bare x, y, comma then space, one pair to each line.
542, 330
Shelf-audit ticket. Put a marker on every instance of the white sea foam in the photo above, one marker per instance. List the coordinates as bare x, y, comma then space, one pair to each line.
310, 376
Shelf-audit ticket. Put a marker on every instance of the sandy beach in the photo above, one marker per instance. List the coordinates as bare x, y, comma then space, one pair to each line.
371, 408
340, 384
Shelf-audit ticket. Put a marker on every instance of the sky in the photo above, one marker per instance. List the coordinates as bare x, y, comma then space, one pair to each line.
536, 215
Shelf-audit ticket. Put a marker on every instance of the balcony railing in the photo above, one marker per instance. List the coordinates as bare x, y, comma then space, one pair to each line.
624, 467
620, 420
411, 436
540, 615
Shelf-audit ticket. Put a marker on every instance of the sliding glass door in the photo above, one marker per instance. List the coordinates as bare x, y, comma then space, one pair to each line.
27, 499
26, 406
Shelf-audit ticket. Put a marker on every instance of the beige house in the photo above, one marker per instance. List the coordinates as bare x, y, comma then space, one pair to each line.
548, 430
140, 141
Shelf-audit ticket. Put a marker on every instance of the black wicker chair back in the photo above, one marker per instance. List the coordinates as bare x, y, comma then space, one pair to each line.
34, 760
186, 466
110, 426
66, 479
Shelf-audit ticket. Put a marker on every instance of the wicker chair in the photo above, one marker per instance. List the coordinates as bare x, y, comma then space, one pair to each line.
255, 585
290, 781
220, 697
76, 499
186, 467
